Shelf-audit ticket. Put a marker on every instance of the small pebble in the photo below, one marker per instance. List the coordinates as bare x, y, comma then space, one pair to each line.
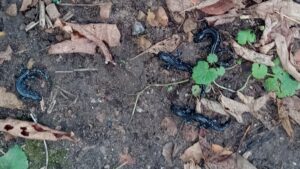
138, 28
12, 10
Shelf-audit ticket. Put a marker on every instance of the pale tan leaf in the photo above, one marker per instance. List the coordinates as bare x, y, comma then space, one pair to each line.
291, 106
189, 133
180, 5
212, 106
266, 48
189, 25
126, 158
105, 10
221, 7
6, 55
284, 118
167, 45
222, 19
234, 108
25, 5
219, 150
169, 125
283, 53
162, 17
270, 23
81, 45
167, 152
143, 43
193, 153
235, 161
251, 55
29, 130
151, 18
10, 100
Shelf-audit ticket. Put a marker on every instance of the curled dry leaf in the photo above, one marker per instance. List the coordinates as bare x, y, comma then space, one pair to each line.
6, 55
291, 106
97, 33
167, 152
29, 130
193, 153
219, 150
167, 45
189, 25
169, 125
221, 7
10, 100
143, 43
266, 48
158, 17
284, 55
284, 118
222, 19
212, 106
252, 55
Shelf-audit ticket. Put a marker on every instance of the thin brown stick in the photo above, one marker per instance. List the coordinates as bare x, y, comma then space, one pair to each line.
80, 5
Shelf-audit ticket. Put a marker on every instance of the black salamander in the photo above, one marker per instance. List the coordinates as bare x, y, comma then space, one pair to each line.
173, 62
204, 121
23, 89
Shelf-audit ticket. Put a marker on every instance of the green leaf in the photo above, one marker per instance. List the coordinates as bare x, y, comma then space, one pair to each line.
259, 71
246, 36
202, 74
212, 58
196, 90
272, 85
15, 158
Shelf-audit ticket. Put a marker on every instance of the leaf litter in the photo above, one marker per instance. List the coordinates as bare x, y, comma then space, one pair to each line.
6, 55
10, 100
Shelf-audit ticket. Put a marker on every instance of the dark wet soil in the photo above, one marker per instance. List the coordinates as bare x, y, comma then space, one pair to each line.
100, 115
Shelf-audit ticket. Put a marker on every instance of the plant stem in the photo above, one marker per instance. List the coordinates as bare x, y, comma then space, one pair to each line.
138, 95
233, 91
244, 86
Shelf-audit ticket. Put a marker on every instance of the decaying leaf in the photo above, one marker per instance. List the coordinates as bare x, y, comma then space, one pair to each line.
266, 48
158, 17
219, 150
180, 5
222, 19
25, 5
10, 100
169, 125
190, 133
191, 165
221, 7
291, 106
284, 118
81, 45
252, 55
167, 152
29, 130
167, 45
235, 161
97, 33
189, 25
193, 153
284, 55
6, 55
212, 106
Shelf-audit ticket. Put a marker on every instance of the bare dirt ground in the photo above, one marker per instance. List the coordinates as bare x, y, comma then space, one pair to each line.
100, 116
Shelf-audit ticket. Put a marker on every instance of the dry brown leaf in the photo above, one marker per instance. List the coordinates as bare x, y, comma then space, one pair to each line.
270, 23
6, 55
169, 125
252, 55
234, 108
284, 55
189, 25
25, 5
219, 150
235, 161
29, 130
167, 152
291, 106
81, 45
284, 118
167, 45
162, 17
296, 57
212, 106
221, 7
180, 5
193, 153
222, 19
189, 133
191, 165
105, 10
10, 100
126, 158
143, 43
266, 48
97, 33
151, 19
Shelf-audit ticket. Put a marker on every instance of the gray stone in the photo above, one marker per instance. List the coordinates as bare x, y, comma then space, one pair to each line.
138, 28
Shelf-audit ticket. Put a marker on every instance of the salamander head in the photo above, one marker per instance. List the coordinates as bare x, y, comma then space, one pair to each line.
181, 111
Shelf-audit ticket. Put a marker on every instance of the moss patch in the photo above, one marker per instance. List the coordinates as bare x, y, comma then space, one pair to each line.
36, 156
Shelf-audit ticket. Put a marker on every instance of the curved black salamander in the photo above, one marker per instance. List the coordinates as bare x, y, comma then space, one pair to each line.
23, 89
209, 32
173, 62
204, 121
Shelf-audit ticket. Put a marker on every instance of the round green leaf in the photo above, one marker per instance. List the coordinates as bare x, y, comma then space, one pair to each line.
15, 158
259, 71
212, 58
196, 90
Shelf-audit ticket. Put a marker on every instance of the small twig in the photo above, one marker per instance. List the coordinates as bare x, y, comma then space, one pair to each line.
77, 70
45, 143
122, 165
68, 16
81, 5
245, 84
49, 22
65, 91
233, 91
149, 86
225, 88
31, 25
289, 18
232, 67
42, 20
53, 101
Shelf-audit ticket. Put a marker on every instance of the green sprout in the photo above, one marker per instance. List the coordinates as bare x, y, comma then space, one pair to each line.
15, 158
245, 36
